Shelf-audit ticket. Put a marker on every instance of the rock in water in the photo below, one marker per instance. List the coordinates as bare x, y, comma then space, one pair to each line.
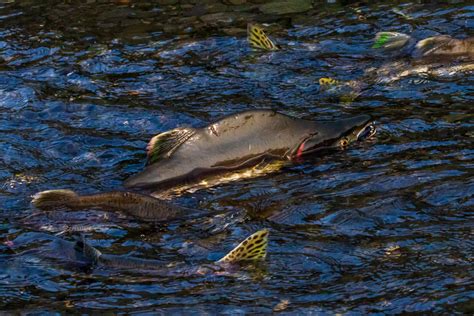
285, 7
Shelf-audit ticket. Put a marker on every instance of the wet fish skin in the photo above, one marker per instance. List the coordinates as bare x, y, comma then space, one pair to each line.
439, 56
238, 141
140, 206
440, 46
443, 46
253, 248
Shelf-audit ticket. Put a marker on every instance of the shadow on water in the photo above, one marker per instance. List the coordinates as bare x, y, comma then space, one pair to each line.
384, 226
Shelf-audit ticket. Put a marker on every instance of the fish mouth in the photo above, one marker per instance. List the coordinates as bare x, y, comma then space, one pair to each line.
337, 133
367, 131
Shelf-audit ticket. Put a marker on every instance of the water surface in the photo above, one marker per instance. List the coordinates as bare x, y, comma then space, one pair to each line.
384, 226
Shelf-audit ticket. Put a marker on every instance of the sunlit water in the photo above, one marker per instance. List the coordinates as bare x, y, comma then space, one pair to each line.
384, 226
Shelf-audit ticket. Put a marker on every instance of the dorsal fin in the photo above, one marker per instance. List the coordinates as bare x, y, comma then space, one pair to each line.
87, 251
258, 39
164, 144
391, 40
253, 247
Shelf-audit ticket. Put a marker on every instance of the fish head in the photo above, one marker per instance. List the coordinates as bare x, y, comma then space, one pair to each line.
337, 134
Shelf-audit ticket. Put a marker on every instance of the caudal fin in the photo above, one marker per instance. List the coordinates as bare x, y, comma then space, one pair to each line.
391, 40
327, 82
253, 247
53, 199
258, 39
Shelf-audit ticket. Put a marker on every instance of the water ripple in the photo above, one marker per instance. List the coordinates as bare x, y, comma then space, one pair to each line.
382, 227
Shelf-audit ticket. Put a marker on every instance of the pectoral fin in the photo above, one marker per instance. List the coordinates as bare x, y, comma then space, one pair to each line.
253, 247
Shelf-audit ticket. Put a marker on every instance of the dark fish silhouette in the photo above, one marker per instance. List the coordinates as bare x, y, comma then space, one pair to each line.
239, 141
253, 248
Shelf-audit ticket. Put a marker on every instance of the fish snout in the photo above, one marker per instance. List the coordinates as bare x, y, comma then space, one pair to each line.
329, 134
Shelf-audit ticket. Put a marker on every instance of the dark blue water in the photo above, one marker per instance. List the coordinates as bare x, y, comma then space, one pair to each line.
384, 226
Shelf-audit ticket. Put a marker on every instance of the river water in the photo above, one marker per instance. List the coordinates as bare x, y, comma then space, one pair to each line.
384, 226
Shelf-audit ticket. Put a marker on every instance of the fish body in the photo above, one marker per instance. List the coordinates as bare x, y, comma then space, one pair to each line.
253, 248
436, 56
439, 47
235, 142
79, 254
444, 46
47, 248
394, 72
140, 206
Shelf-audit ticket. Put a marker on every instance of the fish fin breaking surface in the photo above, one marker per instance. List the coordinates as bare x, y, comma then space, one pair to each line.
258, 39
164, 144
87, 251
391, 40
253, 247
326, 82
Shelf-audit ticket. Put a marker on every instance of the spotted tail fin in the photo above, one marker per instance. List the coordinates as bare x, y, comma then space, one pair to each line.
253, 247
326, 82
164, 144
258, 39
391, 40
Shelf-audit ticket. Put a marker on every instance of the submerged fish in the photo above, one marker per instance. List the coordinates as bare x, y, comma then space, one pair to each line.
79, 254
253, 248
433, 53
441, 46
438, 57
143, 207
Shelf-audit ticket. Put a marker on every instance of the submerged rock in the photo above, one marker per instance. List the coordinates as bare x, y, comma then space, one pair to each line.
236, 2
286, 6
234, 31
218, 18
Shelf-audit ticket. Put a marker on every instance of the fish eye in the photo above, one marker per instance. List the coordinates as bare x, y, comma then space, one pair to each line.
344, 142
